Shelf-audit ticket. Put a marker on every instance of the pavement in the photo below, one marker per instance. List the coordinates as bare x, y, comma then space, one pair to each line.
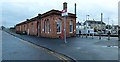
14, 48
79, 48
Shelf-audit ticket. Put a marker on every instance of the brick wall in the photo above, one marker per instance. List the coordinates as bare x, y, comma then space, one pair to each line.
31, 26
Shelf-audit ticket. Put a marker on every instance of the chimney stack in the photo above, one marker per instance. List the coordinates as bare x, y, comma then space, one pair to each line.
75, 8
64, 5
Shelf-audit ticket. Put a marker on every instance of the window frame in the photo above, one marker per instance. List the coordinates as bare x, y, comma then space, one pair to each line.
59, 23
71, 23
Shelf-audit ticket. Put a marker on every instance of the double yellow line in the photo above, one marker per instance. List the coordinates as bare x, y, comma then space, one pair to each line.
61, 57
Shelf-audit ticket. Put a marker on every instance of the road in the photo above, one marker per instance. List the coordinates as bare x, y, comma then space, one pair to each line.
14, 48
79, 48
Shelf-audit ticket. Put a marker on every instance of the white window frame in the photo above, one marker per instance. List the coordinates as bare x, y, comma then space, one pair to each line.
71, 23
47, 26
59, 22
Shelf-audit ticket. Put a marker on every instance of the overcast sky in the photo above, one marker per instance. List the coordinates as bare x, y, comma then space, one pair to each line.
16, 11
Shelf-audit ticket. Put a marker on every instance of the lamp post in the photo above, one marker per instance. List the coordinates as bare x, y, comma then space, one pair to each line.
108, 24
101, 26
109, 29
112, 27
87, 18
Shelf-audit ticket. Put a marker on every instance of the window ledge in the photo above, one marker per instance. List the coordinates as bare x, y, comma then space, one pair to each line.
58, 32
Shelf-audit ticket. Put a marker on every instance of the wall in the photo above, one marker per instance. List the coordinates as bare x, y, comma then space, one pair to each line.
53, 28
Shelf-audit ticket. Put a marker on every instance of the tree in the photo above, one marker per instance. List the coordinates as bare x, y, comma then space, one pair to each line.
2, 27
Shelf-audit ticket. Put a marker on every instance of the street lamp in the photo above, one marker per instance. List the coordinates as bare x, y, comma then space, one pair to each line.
108, 24
87, 18
112, 26
101, 26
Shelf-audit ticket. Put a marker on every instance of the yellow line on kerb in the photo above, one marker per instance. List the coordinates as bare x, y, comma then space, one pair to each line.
61, 57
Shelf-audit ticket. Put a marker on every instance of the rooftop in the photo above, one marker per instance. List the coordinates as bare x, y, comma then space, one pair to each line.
94, 22
51, 12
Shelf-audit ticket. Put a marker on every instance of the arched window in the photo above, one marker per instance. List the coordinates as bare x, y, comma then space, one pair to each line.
47, 26
71, 26
59, 26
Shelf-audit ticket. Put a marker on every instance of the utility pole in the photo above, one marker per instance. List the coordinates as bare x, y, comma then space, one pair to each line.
108, 24
109, 29
75, 8
87, 16
112, 27
101, 25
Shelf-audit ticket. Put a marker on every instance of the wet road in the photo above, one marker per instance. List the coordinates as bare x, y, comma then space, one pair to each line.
79, 48
14, 48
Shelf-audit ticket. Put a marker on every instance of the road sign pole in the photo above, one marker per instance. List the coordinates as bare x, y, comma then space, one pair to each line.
65, 29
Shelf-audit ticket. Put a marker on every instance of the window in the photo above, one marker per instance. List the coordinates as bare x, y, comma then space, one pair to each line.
71, 26
47, 26
38, 26
24, 28
32, 27
44, 26
59, 26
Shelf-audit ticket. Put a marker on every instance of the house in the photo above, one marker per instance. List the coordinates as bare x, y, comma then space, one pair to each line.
52, 24
83, 29
96, 25
49, 24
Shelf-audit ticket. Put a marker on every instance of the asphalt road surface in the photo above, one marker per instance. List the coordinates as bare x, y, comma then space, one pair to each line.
79, 48
14, 48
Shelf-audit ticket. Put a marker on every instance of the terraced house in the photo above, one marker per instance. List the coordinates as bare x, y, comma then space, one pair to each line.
49, 24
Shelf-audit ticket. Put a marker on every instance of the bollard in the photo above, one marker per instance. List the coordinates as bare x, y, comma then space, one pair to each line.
99, 36
119, 38
92, 36
86, 35
82, 35
119, 35
108, 37
79, 33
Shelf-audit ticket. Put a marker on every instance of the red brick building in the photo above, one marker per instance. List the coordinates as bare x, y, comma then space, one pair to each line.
49, 24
